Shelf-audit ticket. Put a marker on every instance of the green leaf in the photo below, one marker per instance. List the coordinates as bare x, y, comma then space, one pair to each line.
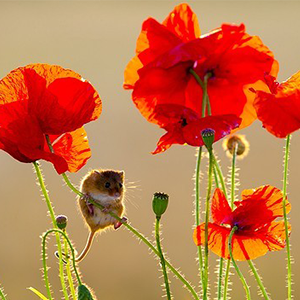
84, 293
39, 294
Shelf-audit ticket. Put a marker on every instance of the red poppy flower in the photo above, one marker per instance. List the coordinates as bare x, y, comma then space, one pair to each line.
279, 108
254, 216
41, 99
159, 74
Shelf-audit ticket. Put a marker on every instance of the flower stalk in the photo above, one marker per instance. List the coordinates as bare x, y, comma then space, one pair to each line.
288, 250
246, 287
162, 259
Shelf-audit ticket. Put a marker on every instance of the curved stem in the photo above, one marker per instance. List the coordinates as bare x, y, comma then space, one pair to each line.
258, 279
233, 230
52, 215
68, 269
288, 250
58, 231
208, 195
138, 235
162, 259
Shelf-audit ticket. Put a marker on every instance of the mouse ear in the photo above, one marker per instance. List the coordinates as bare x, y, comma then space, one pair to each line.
121, 174
97, 171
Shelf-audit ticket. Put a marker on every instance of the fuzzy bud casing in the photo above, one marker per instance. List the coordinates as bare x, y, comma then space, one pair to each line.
208, 136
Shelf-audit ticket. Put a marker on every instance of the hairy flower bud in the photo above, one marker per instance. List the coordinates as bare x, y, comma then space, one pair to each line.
160, 203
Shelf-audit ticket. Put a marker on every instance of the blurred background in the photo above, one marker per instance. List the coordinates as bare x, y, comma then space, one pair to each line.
97, 39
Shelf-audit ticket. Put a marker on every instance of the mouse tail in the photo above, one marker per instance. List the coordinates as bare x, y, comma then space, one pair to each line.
87, 247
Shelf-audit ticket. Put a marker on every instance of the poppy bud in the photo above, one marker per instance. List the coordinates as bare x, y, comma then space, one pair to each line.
83, 293
61, 221
160, 203
208, 136
236, 143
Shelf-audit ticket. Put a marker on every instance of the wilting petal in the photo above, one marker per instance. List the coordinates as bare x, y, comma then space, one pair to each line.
74, 148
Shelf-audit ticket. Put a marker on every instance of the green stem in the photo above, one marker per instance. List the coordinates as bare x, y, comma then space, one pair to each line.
52, 215
197, 201
208, 195
235, 228
232, 193
220, 278
221, 261
68, 269
218, 171
226, 279
288, 250
258, 279
2, 294
162, 259
233, 176
58, 231
221, 177
138, 235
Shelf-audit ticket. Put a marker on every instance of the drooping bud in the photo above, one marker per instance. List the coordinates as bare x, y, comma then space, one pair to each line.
237, 143
61, 221
208, 136
160, 203
83, 293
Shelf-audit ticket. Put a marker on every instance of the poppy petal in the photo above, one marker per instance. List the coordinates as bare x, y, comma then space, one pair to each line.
222, 125
73, 147
220, 209
271, 196
244, 247
280, 112
276, 237
183, 22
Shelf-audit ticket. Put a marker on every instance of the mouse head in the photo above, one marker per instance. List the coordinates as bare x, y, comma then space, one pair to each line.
110, 182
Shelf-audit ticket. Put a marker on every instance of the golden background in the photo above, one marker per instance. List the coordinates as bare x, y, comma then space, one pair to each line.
97, 39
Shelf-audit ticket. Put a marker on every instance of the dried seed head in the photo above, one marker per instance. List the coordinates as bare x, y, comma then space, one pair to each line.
236, 143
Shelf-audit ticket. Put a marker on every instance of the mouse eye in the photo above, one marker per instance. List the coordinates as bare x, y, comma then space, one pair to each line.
107, 185
120, 185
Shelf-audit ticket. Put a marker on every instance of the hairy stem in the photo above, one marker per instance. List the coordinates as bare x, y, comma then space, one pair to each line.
58, 231
68, 269
288, 250
52, 215
2, 294
258, 279
208, 195
139, 236
162, 259
197, 207
235, 228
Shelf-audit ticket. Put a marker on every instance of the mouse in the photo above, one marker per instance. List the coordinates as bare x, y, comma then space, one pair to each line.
105, 187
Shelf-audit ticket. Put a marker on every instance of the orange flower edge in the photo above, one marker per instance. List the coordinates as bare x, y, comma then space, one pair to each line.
255, 215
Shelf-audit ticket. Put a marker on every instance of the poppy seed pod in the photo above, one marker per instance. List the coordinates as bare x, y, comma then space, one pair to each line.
160, 203
208, 136
61, 222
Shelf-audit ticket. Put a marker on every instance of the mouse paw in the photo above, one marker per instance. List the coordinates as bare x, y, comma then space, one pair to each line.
118, 224
105, 210
90, 208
